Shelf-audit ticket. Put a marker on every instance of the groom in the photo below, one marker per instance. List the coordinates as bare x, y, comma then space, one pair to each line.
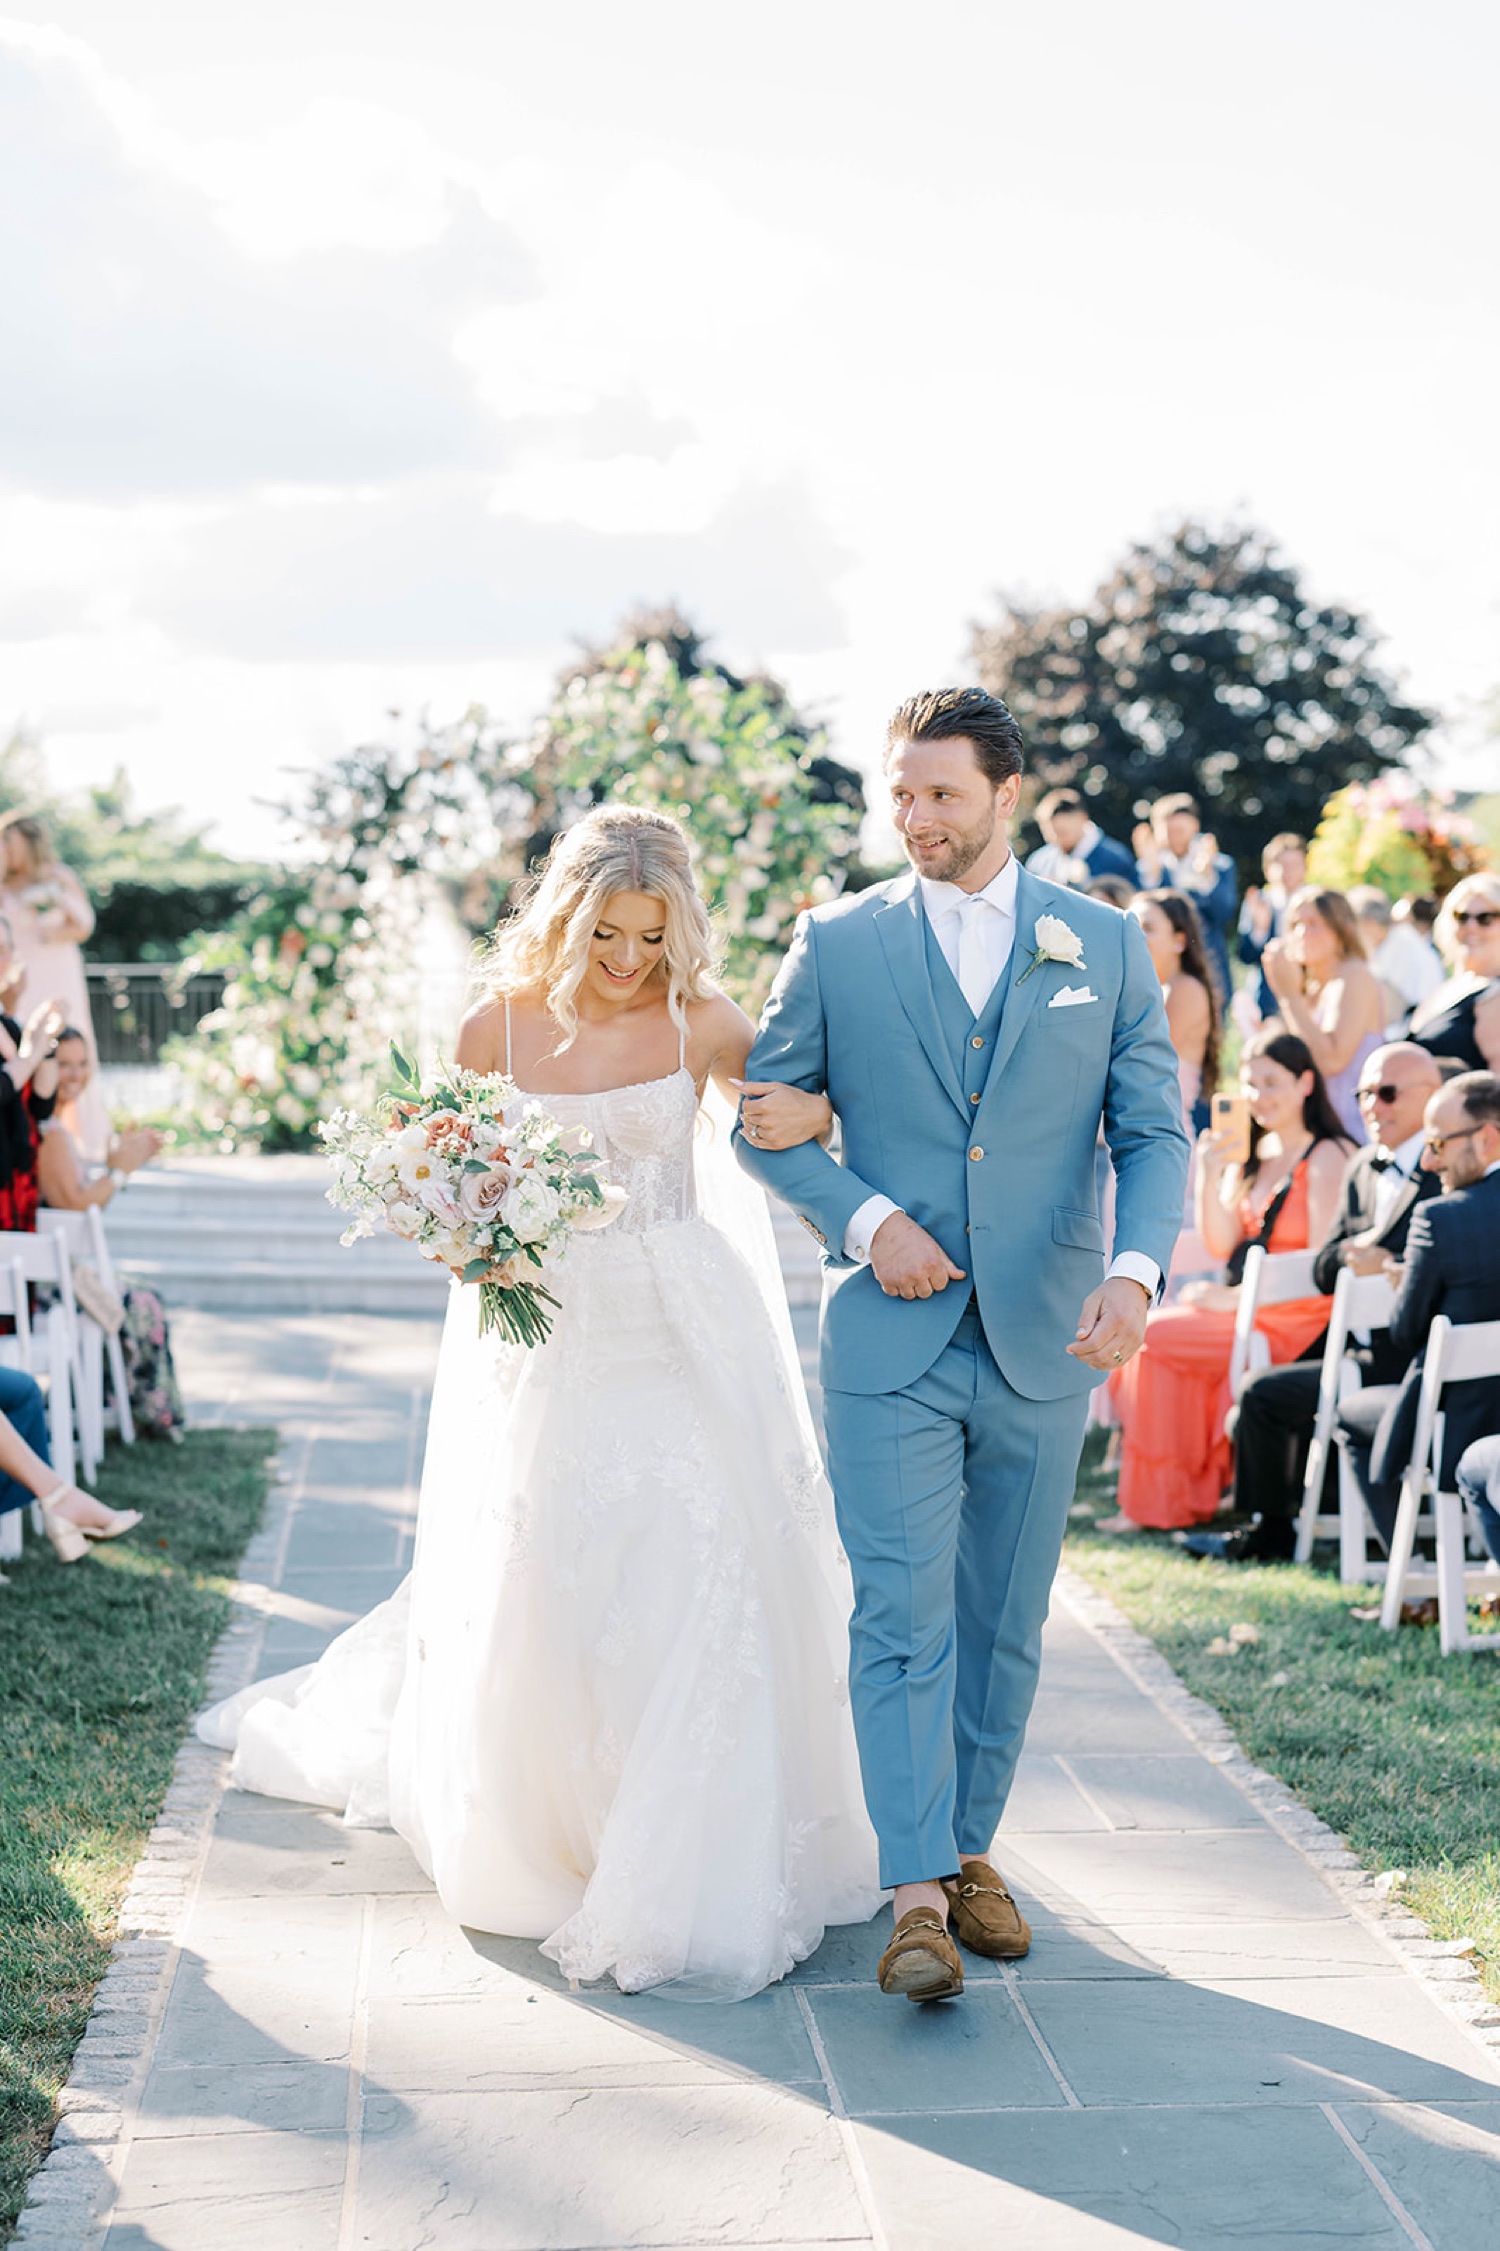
971, 1026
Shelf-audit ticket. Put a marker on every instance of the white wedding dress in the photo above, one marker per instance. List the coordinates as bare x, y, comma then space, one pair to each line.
607, 1709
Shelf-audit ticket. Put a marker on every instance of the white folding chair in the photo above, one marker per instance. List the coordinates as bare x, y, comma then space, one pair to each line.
15, 1352
1361, 1302
57, 1354
1270, 1278
83, 1232
1454, 1355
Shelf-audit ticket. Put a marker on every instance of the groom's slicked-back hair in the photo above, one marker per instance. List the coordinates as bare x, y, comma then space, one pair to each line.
943, 713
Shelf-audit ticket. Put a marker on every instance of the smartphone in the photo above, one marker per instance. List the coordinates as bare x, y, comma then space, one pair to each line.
1230, 1114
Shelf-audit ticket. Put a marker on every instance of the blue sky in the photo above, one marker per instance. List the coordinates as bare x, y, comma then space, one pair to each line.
362, 357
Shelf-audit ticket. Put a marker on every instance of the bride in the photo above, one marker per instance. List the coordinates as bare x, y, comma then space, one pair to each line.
607, 1709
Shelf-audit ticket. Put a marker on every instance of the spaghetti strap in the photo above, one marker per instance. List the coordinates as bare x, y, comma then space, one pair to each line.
507, 1035
681, 1046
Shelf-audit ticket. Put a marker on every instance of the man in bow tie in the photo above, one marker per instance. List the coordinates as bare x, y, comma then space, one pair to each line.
971, 1025
1383, 1184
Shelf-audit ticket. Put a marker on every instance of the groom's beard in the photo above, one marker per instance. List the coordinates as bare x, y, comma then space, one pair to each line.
954, 855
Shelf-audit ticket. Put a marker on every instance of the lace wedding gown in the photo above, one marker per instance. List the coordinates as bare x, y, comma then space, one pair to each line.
607, 1709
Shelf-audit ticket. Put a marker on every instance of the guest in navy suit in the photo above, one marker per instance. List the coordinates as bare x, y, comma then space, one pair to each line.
1077, 849
1452, 1266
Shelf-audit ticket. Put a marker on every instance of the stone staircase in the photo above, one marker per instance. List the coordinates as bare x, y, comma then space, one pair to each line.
257, 1234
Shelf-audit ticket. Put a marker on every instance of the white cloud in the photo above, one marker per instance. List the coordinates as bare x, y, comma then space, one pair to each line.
140, 352
431, 571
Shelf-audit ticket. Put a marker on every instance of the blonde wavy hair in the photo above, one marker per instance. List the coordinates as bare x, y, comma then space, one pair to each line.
41, 854
544, 947
1484, 885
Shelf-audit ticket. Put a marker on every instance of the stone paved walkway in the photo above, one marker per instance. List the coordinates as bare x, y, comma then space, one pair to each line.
1205, 2047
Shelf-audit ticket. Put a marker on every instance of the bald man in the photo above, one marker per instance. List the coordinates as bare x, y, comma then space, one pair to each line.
1383, 1184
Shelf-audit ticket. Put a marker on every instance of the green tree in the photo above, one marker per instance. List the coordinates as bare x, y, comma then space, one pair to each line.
155, 881
1201, 664
652, 720
320, 963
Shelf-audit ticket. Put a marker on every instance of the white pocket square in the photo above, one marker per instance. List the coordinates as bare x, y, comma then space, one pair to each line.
1072, 996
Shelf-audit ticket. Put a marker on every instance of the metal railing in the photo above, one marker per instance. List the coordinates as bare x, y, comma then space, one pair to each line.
137, 1006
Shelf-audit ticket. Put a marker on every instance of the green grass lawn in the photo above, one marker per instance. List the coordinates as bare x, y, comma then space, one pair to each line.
1396, 1747
101, 1664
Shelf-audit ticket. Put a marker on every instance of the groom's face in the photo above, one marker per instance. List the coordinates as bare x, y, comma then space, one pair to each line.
950, 816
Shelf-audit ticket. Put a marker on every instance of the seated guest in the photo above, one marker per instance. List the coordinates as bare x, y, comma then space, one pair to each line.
1409, 966
1452, 1266
1327, 994
1383, 1184
1462, 1018
155, 1400
1174, 853
1174, 938
71, 1519
1076, 849
66, 1182
1283, 863
28, 1095
1478, 1480
1172, 1398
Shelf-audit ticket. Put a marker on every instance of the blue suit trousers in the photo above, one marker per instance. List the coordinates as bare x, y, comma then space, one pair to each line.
953, 1496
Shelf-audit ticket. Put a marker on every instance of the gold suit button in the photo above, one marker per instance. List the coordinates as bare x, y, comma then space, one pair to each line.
975, 1155
976, 1041
974, 1098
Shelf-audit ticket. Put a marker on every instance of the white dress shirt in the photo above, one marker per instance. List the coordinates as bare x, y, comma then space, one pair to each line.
976, 931
1393, 1177
1054, 865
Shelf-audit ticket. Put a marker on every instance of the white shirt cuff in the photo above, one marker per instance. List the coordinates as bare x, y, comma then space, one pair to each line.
860, 1232
1133, 1266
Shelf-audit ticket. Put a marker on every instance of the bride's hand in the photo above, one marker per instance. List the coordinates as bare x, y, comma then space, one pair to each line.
782, 1117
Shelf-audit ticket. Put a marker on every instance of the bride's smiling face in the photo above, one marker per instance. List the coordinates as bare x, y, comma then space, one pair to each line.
628, 945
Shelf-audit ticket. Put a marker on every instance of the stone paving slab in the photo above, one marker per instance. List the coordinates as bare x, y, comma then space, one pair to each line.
1212, 2041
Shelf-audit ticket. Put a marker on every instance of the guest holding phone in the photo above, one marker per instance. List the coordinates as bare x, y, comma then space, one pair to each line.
1171, 1400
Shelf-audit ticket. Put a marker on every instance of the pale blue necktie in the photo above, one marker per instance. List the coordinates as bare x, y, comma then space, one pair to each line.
976, 978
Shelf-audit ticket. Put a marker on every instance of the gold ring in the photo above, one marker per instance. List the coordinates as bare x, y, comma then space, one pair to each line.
1119, 1356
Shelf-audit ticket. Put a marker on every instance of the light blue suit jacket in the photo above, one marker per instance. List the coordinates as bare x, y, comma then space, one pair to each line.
1007, 1186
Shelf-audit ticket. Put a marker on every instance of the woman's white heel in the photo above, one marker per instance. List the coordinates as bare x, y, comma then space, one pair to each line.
68, 1542
72, 1540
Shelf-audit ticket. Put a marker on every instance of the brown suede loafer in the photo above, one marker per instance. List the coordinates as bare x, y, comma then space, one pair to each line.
921, 1961
986, 1918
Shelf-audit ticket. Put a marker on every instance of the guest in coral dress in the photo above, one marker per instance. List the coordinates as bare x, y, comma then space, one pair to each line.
1172, 1398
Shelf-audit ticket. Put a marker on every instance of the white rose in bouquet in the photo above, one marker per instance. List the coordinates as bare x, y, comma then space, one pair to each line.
436, 1195
404, 1219
530, 1209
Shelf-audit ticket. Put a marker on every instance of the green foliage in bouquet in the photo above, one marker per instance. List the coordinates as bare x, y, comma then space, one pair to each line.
650, 721
1392, 834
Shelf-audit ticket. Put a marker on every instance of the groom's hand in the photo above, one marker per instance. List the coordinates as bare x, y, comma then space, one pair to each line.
906, 1260
1112, 1325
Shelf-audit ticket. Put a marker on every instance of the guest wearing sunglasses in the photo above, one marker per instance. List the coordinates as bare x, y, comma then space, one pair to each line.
1384, 1183
1452, 1266
1462, 1018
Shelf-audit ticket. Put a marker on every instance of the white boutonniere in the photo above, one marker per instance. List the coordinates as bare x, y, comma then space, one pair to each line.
1054, 941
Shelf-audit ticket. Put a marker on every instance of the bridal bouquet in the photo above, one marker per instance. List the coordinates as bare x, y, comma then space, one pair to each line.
495, 1201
